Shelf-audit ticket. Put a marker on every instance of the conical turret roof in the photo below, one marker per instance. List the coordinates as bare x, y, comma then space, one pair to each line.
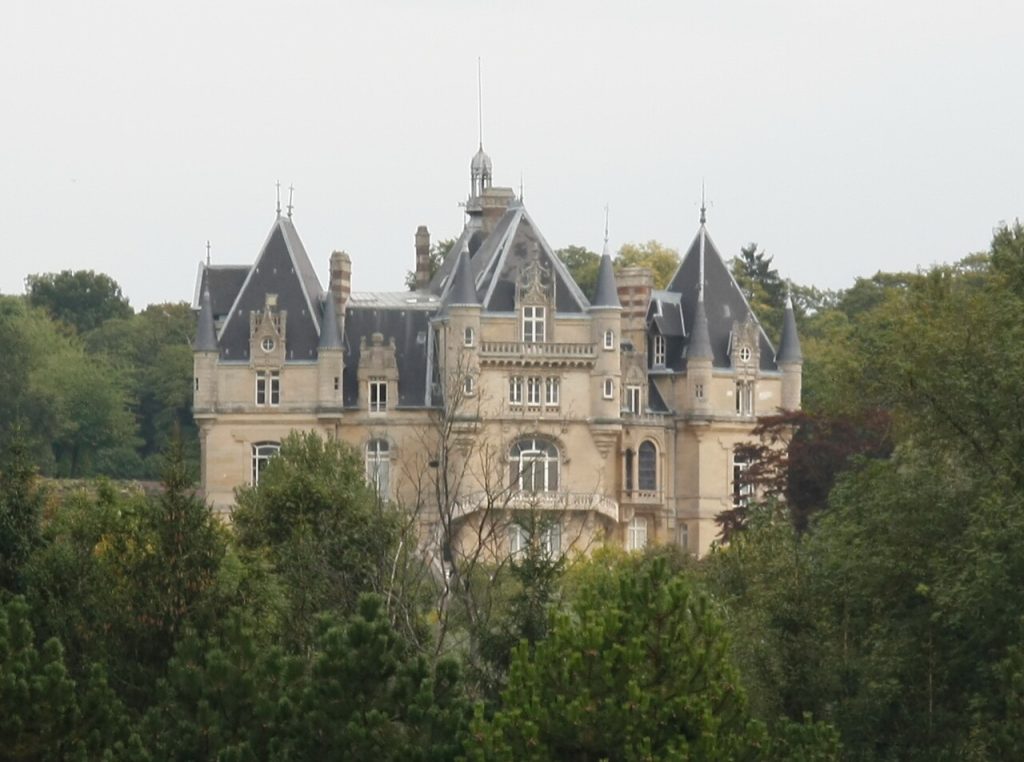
789, 346
463, 290
699, 346
329, 335
607, 294
206, 334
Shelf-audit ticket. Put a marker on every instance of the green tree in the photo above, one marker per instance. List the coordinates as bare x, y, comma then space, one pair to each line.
637, 668
151, 350
762, 285
322, 527
82, 299
661, 260
21, 509
583, 265
44, 714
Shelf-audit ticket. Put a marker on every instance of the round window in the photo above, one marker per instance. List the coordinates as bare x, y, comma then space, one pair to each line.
267, 344
745, 354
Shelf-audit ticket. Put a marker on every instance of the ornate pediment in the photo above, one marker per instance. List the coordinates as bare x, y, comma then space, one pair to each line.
535, 284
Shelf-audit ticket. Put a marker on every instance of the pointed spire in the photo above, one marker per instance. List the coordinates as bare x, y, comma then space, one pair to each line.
699, 347
278, 198
206, 335
330, 338
291, 206
607, 292
789, 346
462, 291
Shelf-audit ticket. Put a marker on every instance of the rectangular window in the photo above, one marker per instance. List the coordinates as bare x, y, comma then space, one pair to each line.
609, 340
515, 390
745, 397
609, 389
378, 396
698, 391
659, 351
517, 540
469, 386
633, 400
551, 540
683, 533
533, 390
551, 391
268, 387
533, 324
741, 489
637, 538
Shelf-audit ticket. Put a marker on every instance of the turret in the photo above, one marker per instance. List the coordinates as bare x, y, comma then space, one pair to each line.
330, 361
204, 357
606, 333
699, 354
462, 308
790, 360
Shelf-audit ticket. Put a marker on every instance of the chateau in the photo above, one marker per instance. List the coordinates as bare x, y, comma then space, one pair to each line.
496, 391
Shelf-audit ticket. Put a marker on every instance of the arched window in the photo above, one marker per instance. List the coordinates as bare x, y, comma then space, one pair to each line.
262, 452
533, 465
468, 336
378, 465
637, 537
647, 466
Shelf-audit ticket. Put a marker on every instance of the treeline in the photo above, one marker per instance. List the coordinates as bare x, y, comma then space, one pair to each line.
90, 386
144, 628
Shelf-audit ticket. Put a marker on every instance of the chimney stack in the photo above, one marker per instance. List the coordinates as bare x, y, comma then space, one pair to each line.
341, 281
422, 258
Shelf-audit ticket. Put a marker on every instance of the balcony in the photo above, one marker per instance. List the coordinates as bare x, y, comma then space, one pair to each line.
540, 501
641, 497
538, 354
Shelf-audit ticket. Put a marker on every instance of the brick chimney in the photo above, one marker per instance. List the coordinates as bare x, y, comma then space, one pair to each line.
341, 281
635, 285
422, 258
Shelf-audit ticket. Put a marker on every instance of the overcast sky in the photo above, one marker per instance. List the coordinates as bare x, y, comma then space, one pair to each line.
842, 137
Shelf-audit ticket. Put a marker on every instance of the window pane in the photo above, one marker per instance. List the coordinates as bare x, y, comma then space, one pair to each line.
648, 467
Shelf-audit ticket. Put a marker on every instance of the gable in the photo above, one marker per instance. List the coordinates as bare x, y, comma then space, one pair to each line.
724, 303
277, 271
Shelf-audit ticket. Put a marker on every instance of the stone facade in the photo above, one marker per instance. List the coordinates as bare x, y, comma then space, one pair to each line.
496, 391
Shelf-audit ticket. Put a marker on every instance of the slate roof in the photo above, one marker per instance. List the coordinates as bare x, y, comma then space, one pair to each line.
607, 293
495, 260
789, 344
462, 291
723, 300
410, 328
282, 268
224, 281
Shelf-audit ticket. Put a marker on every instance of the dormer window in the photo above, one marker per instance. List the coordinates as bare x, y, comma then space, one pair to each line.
533, 325
267, 345
378, 396
609, 339
658, 353
744, 354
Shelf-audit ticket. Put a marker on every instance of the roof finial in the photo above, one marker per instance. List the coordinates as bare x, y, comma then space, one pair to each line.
703, 206
291, 191
700, 287
278, 198
605, 251
480, 101
521, 194
207, 252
